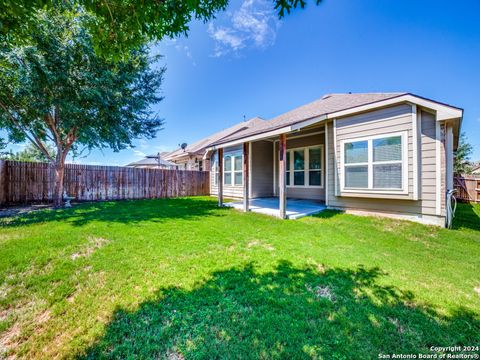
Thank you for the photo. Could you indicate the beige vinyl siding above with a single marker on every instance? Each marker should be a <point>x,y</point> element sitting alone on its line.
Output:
<point>312,137</point>
<point>393,119</point>
<point>233,191</point>
<point>428,173</point>
<point>261,172</point>
<point>380,122</point>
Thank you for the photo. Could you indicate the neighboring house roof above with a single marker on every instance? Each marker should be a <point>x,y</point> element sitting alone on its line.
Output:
<point>476,170</point>
<point>151,160</point>
<point>329,104</point>
<point>198,148</point>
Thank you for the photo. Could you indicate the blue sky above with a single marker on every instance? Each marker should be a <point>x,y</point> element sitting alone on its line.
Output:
<point>247,62</point>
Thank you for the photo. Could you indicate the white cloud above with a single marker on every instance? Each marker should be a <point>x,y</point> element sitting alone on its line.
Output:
<point>254,24</point>
<point>186,50</point>
<point>144,148</point>
<point>139,153</point>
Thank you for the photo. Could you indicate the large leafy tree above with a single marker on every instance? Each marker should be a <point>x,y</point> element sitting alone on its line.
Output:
<point>55,88</point>
<point>462,164</point>
<point>121,25</point>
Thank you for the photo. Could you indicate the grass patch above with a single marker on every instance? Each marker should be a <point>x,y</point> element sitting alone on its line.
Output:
<point>181,278</point>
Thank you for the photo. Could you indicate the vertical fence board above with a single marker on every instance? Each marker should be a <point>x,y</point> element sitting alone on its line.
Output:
<point>468,189</point>
<point>22,182</point>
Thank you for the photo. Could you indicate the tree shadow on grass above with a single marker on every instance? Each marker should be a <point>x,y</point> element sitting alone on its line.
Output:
<point>327,214</point>
<point>467,216</point>
<point>287,313</point>
<point>125,211</point>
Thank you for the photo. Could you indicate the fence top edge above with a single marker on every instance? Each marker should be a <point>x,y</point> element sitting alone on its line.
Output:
<point>98,167</point>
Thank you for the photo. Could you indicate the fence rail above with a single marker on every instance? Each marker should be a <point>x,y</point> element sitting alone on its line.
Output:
<point>22,182</point>
<point>468,189</point>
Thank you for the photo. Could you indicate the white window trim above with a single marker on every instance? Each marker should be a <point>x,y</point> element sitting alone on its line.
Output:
<point>369,163</point>
<point>232,155</point>
<point>214,168</point>
<point>307,167</point>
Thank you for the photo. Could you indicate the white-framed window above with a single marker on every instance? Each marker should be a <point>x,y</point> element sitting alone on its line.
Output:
<point>233,169</point>
<point>213,168</point>
<point>375,164</point>
<point>305,167</point>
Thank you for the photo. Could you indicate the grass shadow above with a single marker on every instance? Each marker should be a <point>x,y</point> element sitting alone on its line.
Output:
<point>290,312</point>
<point>125,211</point>
<point>467,216</point>
<point>326,214</point>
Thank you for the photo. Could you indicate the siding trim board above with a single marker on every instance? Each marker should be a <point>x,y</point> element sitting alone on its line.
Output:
<point>335,155</point>
<point>327,160</point>
<point>250,154</point>
<point>415,151</point>
<point>274,156</point>
<point>419,154</point>
<point>438,167</point>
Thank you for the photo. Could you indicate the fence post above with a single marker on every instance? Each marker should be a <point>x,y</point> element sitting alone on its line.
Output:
<point>3,182</point>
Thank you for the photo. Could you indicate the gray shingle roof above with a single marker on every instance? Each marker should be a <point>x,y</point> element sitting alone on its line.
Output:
<point>201,145</point>
<point>326,104</point>
<point>151,161</point>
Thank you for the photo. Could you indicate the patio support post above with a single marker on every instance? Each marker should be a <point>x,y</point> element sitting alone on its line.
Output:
<point>282,178</point>
<point>220,177</point>
<point>246,171</point>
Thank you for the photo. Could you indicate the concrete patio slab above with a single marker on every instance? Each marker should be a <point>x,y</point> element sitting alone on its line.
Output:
<point>296,208</point>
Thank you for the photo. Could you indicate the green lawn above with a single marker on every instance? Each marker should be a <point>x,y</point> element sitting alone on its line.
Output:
<point>181,278</point>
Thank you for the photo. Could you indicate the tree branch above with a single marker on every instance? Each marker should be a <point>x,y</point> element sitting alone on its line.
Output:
<point>34,139</point>
<point>51,125</point>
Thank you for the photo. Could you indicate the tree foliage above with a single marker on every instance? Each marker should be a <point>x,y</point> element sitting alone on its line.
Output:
<point>57,89</point>
<point>121,25</point>
<point>30,154</point>
<point>462,164</point>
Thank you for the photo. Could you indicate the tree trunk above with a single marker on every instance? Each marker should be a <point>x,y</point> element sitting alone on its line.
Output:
<point>59,174</point>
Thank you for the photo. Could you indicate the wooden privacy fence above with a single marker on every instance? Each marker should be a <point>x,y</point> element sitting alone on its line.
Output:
<point>468,188</point>
<point>22,182</point>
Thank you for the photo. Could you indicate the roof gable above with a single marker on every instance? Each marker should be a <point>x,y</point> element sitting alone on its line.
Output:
<point>201,145</point>
<point>341,105</point>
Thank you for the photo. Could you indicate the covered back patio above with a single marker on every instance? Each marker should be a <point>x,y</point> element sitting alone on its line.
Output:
<point>295,208</point>
<point>281,176</point>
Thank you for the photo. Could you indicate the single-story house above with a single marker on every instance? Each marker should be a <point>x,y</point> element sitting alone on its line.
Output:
<point>476,170</point>
<point>153,162</point>
<point>373,153</point>
<point>192,157</point>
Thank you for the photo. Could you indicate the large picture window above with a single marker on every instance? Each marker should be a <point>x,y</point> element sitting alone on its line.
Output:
<point>305,167</point>
<point>375,163</point>
<point>233,169</point>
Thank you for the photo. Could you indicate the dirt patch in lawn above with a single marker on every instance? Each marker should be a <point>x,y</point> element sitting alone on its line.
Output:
<point>94,243</point>
<point>21,210</point>
<point>257,243</point>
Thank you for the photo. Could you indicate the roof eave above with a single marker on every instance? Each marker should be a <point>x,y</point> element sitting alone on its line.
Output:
<point>443,112</point>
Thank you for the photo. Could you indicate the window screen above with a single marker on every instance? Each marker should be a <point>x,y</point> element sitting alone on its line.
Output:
<point>299,167</point>
<point>228,164</point>
<point>356,176</point>
<point>387,149</point>
<point>387,176</point>
<point>356,152</point>
<point>314,166</point>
